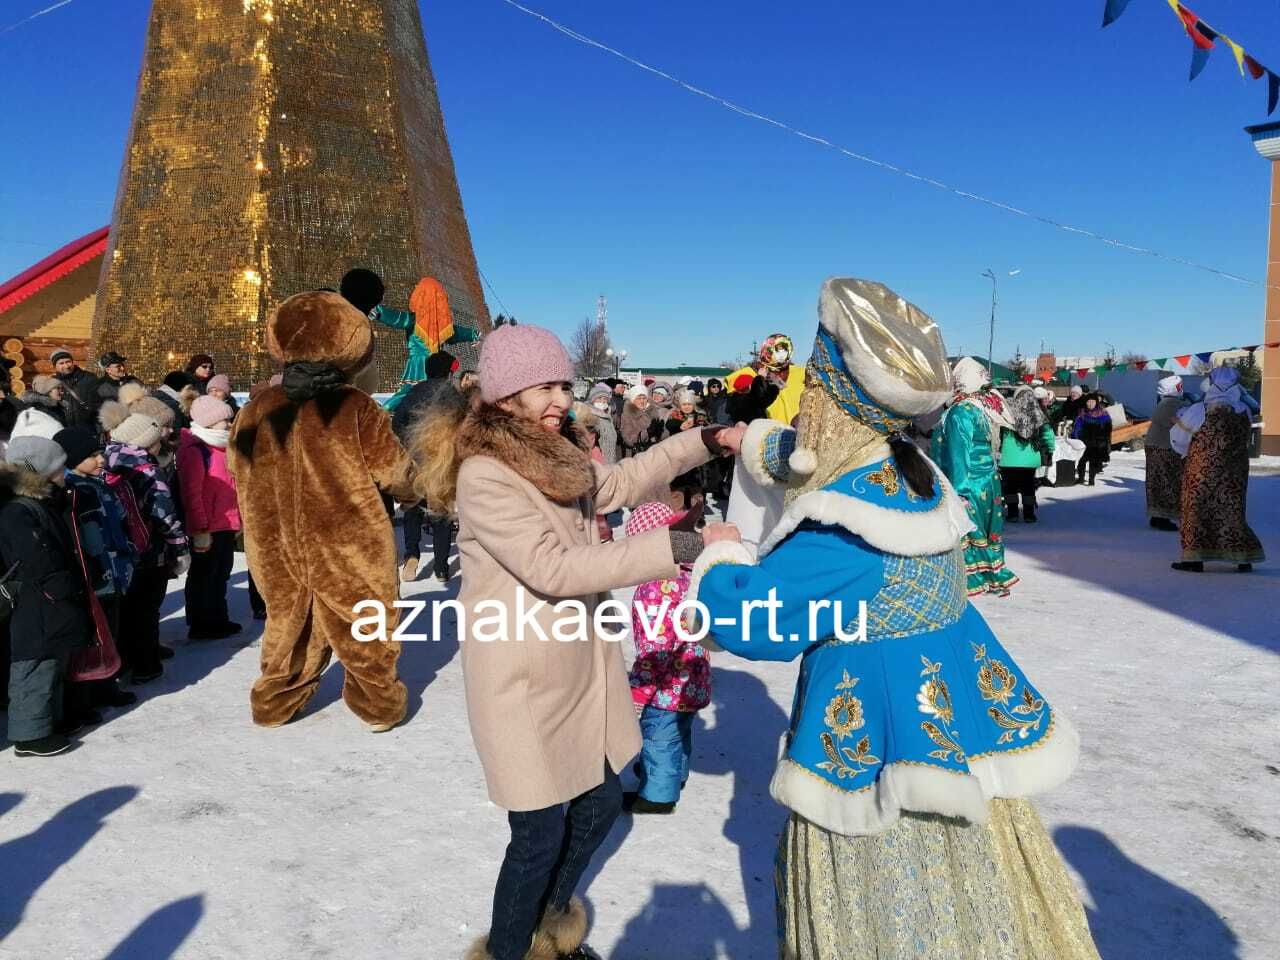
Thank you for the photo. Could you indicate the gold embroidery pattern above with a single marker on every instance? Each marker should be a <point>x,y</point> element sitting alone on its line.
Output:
<point>934,699</point>
<point>844,716</point>
<point>886,478</point>
<point>998,685</point>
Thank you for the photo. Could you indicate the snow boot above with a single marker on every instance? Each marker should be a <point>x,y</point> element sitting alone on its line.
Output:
<point>409,570</point>
<point>1188,566</point>
<point>559,935</point>
<point>634,803</point>
<point>1244,567</point>
<point>166,653</point>
<point>44,747</point>
<point>1160,523</point>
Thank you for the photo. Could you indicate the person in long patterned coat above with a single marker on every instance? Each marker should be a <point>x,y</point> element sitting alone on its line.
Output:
<point>915,738</point>
<point>963,446</point>
<point>1213,437</point>
<point>1164,466</point>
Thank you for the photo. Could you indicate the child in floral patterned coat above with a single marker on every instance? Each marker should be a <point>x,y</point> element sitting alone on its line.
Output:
<point>670,679</point>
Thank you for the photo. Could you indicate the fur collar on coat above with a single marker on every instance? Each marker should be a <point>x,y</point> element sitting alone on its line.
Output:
<point>558,464</point>
<point>16,481</point>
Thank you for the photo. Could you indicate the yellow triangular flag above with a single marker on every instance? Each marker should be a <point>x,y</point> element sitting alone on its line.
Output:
<point>1237,50</point>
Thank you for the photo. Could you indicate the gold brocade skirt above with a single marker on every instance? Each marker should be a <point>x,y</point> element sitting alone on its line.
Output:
<point>930,888</point>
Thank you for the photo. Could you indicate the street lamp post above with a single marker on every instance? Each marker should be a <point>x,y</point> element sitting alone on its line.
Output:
<point>619,357</point>
<point>991,331</point>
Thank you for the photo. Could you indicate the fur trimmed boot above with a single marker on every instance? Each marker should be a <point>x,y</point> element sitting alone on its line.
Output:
<point>560,934</point>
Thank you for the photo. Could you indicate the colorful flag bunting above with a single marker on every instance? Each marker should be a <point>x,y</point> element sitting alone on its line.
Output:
<point>1120,367</point>
<point>1273,92</point>
<point>1161,364</point>
<point>1199,57</point>
<point>1237,51</point>
<point>1183,359</point>
<point>1204,357</point>
<point>1082,372</point>
<point>1256,70</point>
<point>1140,364</point>
<point>1113,10</point>
<point>1191,23</point>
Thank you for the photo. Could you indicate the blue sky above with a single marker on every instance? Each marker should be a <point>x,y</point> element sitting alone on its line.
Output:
<point>582,175</point>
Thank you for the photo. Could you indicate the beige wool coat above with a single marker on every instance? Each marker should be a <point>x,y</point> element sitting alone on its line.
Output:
<point>547,715</point>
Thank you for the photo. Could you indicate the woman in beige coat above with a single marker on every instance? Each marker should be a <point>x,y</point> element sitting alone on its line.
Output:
<point>547,694</point>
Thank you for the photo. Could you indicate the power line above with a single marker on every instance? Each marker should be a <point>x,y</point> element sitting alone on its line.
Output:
<point>882,164</point>
<point>38,13</point>
<point>493,291</point>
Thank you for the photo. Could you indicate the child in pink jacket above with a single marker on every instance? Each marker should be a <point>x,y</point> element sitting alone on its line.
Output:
<point>670,679</point>
<point>211,516</point>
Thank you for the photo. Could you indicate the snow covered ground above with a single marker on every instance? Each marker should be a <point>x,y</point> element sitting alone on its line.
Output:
<point>178,829</point>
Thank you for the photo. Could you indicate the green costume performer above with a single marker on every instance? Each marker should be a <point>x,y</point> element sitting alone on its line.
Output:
<point>415,366</point>
<point>962,448</point>
<point>426,326</point>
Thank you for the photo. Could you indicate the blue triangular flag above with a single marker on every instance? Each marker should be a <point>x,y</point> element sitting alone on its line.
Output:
<point>1199,57</point>
<point>1204,357</point>
<point>1112,13</point>
<point>1273,92</point>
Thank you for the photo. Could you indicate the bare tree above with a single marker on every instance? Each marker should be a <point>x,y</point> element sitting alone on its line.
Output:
<point>1134,357</point>
<point>589,347</point>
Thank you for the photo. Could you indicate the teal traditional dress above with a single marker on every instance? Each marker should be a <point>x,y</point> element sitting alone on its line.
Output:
<point>913,736</point>
<point>415,365</point>
<point>962,448</point>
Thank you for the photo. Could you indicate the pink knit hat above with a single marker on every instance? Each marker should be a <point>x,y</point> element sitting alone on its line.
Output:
<point>650,516</point>
<point>514,358</point>
<point>219,382</point>
<point>209,411</point>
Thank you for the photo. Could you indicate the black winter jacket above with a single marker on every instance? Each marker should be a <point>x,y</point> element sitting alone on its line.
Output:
<point>51,614</point>
<point>80,398</point>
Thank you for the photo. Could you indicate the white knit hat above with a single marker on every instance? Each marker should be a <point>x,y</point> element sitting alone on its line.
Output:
<point>34,423</point>
<point>137,430</point>
<point>639,390</point>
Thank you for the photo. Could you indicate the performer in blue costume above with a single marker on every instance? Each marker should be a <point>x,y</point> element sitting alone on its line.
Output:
<point>365,290</point>
<point>914,735</point>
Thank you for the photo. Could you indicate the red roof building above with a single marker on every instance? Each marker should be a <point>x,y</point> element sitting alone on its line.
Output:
<point>50,304</point>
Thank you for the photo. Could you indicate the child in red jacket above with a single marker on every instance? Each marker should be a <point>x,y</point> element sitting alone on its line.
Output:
<point>212,517</point>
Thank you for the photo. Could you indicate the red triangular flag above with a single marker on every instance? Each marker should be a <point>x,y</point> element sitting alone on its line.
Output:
<point>1256,70</point>
<point>1191,22</point>
<point>1082,372</point>
<point>1183,360</point>
<point>1140,364</point>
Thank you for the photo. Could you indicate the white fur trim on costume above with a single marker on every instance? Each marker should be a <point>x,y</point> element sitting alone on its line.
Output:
<point>923,789</point>
<point>886,387</point>
<point>876,808</point>
<point>899,532</point>
<point>1038,769</point>
<point>722,551</point>
<point>803,461</point>
<point>752,441</point>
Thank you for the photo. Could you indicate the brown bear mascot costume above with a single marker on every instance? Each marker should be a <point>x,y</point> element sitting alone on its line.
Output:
<point>311,457</point>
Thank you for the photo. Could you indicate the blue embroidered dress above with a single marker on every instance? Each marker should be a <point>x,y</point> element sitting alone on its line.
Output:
<point>922,709</point>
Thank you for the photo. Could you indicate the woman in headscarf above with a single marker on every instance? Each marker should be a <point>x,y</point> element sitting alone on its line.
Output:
<point>1213,437</point>
<point>1164,466</point>
<point>909,834</point>
<point>1024,448</point>
<point>963,446</point>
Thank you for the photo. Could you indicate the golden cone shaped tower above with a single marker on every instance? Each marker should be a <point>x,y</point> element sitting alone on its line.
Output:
<point>275,145</point>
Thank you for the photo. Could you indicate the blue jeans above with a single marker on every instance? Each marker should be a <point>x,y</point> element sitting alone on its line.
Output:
<point>664,758</point>
<point>548,853</point>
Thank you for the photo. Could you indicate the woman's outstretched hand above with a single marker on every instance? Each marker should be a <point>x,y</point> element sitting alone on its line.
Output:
<point>731,438</point>
<point>715,532</point>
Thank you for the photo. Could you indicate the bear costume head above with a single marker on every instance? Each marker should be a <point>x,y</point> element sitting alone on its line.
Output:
<point>322,341</point>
